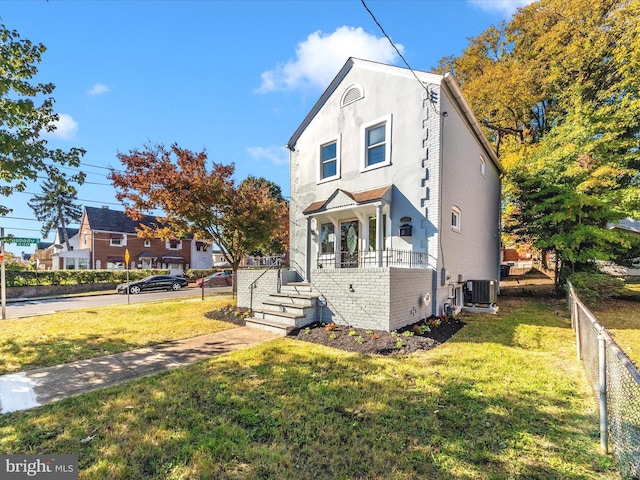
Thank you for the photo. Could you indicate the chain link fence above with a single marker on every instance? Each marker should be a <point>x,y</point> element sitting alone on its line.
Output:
<point>616,385</point>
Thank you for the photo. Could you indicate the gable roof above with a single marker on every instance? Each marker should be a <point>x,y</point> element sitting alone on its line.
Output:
<point>342,198</point>
<point>70,233</point>
<point>446,81</point>
<point>627,224</point>
<point>107,220</point>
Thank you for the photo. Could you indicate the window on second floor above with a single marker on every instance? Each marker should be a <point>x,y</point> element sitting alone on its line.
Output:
<point>173,244</point>
<point>147,243</point>
<point>483,166</point>
<point>329,164</point>
<point>116,240</point>
<point>377,143</point>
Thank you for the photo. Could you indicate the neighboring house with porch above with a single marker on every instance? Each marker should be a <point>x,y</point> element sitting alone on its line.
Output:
<point>72,258</point>
<point>395,207</point>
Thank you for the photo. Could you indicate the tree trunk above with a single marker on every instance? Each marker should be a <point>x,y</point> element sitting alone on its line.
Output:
<point>64,229</point>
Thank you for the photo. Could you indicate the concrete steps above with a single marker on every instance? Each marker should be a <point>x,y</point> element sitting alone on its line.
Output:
<point>293,307</point>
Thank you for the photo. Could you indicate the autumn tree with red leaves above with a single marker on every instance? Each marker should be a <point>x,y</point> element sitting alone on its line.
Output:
<point>206,204</point>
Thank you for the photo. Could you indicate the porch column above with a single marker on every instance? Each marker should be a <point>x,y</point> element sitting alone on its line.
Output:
<point>307,254</point>
<point>379,234</point>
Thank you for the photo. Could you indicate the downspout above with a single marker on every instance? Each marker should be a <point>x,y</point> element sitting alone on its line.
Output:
<point>93,248</point>
<point>434,304</point>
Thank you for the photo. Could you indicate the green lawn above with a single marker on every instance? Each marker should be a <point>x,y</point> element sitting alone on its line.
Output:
<point>47,340</point>
<point>621,318</point>
<point>504,399</point>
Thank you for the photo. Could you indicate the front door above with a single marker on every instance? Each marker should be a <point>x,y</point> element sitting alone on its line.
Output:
<point>349,236</point>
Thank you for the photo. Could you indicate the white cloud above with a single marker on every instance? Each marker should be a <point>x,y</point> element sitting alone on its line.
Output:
<point>66,128</point>
<point>506,7</point>
<point>274,154</point>
<point>99,89</point>
<point>321,55</point>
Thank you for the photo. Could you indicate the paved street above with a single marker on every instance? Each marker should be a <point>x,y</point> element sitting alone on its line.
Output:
<point>45,306</point>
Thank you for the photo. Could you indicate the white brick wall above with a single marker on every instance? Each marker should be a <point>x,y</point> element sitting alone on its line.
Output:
<point>382,298</point>
<point>408,289</point>
<point>265,285</point>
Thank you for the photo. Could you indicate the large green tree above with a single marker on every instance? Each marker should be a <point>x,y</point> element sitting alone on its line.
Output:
<point>26,112</point>
<point>57,207</point>
<point>206,203</point>
<point>558,91</point>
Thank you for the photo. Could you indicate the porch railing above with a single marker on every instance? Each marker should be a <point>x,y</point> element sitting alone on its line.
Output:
<point>374,258</point>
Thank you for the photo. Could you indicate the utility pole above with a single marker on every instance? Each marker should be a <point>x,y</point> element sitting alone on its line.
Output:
<point>3,280</point>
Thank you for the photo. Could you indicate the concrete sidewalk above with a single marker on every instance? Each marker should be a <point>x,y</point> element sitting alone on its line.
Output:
<point>23,390</point>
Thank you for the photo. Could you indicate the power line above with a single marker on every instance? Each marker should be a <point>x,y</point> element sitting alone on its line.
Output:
<point>429,96</point>
<point>22,229</point>
<point>79,199</point>
<point>21,218</point>
<point>88,183</point>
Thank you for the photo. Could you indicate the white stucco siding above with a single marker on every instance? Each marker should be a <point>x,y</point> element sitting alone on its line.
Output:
<point>399,99</point>
<point>472,250</point>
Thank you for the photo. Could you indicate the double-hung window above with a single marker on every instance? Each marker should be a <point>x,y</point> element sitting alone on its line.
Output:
<point>377,143</point>
<point>330,160</point>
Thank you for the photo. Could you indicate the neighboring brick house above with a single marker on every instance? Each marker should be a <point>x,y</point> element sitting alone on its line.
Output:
<point>395,206</point>
<point>105,235</point>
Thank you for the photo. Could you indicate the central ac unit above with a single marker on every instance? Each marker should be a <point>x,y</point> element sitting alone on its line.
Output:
<point>480,292</point>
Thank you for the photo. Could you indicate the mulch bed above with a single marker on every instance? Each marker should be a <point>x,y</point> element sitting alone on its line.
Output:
<point>421,336</point>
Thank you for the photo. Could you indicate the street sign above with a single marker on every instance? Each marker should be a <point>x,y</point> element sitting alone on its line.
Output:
<point>126,256</point>
<point>22,242</point>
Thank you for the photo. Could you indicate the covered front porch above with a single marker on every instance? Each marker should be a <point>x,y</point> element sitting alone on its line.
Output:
<point>354,230</point>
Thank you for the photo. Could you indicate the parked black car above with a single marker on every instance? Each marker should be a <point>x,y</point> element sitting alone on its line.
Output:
<point>154,282</point>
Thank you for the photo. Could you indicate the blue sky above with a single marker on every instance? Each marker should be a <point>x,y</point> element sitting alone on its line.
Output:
<point>233,77</point>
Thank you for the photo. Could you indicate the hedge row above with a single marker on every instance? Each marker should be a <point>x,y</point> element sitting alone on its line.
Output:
<point>25,278</point>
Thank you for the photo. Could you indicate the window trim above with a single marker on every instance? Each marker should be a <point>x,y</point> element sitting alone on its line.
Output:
<point>483,166</point>
<point>321,243</point>
<point>178,244</point>
<point>386,121</point>
<point>457,214</point>
<point>320,162</point>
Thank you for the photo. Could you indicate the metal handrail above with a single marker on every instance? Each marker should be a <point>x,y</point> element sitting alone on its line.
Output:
<point>252,286</point>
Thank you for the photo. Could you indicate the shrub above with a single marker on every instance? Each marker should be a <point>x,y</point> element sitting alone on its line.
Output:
<point>592,287</point>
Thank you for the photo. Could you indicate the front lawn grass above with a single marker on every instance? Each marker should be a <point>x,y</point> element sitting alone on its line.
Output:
<point>504,399</point>
<point>46,340</point>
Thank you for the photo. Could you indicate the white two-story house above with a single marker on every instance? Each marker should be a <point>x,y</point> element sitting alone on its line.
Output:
<point>395,203</point>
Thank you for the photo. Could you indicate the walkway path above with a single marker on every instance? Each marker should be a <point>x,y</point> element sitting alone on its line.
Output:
<point>23,390</point>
